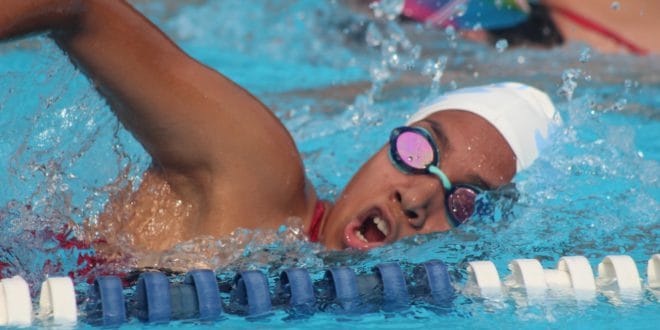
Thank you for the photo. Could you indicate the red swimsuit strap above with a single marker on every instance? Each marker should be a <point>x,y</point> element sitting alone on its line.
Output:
<point>315,225</point>
<point>593,26</point>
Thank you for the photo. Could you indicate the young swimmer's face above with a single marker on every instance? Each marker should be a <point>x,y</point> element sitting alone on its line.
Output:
<point>381,204</point>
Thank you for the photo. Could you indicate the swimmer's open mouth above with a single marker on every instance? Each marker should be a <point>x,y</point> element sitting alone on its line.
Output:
<point>368,231</point>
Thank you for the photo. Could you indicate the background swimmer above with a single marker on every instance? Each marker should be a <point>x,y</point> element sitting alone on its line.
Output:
<point>607,26</point>
<point>222,152</point>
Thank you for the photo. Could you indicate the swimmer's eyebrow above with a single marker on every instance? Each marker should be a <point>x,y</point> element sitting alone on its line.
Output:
<point>439,133</point>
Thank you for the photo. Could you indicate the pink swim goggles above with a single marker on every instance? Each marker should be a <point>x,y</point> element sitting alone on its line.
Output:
<point>413,151</point>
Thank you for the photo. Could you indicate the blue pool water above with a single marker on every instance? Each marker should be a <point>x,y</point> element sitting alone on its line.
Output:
<point>340,82</point>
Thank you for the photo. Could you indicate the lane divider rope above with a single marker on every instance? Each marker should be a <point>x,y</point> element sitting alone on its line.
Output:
<point>387,287</point>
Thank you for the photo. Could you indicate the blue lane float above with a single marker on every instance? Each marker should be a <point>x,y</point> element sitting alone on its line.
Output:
<point>432,280</point>
<point>207,293</point>
<point>153,298</point>
<point>107,304</point>
<point>251,293</point>
<point>184,302</point>
<point>343,290</point>
<point>394,289</point>
<point>296,287</point>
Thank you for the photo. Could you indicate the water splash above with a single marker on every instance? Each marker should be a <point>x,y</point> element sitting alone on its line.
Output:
<point>569,80</point>
<point>242,249</point>
<point>397,54</point>
<point>435,69</point>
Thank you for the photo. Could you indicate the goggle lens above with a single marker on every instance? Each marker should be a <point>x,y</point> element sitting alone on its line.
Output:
<point>414,150</point>
<point>461,203</point>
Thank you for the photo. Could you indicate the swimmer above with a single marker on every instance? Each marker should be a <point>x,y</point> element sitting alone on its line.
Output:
<point>607,26</point>
<point>225,157</point>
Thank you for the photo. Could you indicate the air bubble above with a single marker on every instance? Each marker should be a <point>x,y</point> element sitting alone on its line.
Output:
<point>615,5</point>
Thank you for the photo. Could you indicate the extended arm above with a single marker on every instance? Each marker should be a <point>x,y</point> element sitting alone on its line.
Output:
<point>192,120</point>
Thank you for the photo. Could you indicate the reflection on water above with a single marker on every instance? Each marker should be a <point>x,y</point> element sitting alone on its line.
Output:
<point>340,81</point>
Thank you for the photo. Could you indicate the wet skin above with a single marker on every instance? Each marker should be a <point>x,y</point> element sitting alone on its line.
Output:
<point>209,139</point>
<point>471,151</point>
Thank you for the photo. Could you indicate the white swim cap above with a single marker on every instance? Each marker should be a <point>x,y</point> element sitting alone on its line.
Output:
<point>523,114</point>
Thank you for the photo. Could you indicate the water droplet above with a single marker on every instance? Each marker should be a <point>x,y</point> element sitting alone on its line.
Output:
<point>615,5</point>
<point>521,59</point>
<point>373,36</point>
<point>460,10</point>
<point>390,9</point>
<point>450,31</point>
<point>585,55</point>
<point>628,83</point>
<point>435,69</point>
<point>501,45</point>
<point>620,104</point>
<point>569,78</point>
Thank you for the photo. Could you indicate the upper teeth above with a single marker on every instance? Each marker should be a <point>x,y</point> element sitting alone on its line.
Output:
<point>382,225</point>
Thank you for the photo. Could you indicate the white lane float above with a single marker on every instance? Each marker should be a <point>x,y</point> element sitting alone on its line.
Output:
<point>483,275</point>
<point>15,302</point>
<point>57,301</point>
<point>528,275</point>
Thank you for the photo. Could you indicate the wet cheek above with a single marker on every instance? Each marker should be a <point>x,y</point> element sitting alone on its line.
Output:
<point>438,228</point>
<point>437,222</point>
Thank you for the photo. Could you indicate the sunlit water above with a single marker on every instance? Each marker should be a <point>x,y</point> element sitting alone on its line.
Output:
<point>340,81</point>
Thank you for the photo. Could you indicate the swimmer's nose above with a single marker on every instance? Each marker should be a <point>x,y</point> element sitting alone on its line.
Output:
<point>414,213</point>
<point>416,196</point>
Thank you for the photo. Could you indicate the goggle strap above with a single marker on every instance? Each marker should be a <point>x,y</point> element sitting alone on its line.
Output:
<point>443,177</point>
